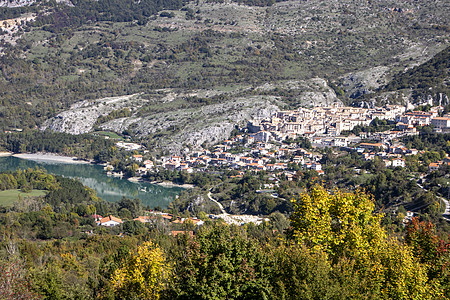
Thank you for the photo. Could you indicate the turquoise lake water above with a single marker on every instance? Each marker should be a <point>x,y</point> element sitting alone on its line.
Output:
<point>108,188</point>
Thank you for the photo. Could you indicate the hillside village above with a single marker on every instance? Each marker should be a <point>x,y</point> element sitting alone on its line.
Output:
<point>289,141</point>
<point>273,144</point>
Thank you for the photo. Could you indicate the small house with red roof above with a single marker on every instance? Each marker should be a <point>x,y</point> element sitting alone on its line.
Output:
<point>110,221</point>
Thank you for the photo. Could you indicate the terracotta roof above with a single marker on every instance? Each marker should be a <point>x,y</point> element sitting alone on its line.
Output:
<point>372,144</point>
<point>110,218</point>
<point>195,221</point>
<point>418,113</point>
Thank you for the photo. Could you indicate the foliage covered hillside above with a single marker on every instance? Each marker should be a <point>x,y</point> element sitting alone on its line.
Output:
<point>108,48</point>
<point>335,248</point>
<point>431,75</point>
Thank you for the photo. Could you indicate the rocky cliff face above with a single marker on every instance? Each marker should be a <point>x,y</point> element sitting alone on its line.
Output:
<point>82,116</point>
<point>194,126</point>
<point>174,119</point>
<point>16,3</point>
<point>363,82</point>
<point>308,93</point>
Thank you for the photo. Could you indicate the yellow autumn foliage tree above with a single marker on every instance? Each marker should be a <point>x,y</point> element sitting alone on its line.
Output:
<point>144,275</point>
<point>338,223</point>
<point>344,227</point>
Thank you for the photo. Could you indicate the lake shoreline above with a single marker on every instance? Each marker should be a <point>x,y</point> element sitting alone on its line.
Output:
<point>50,157</point>
<point>162,183</point>
<point>53,157</point>
<point>171,184</point>
<point>111,189</point>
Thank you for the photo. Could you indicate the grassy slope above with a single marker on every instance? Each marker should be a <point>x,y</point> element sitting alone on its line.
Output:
<point>8,197</point>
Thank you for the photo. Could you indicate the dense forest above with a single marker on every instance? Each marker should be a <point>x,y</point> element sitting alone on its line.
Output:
<point>53,250</point>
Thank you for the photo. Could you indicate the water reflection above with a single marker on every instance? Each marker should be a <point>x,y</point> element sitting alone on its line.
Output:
<point>109,188</point>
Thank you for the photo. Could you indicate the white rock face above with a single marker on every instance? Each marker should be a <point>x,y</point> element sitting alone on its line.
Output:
<point>312,92</point>
<point>174,119</point>
<point>195,126</point>
<point>16,3</point>
<point>318,93</point>
<point>362,82</point>
<point>20,3</point>
<point>81,116</point>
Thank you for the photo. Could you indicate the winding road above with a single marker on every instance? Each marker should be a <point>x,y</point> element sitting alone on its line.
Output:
<point>217,202</point>
<point>235,219</point>
<point>446,214</point>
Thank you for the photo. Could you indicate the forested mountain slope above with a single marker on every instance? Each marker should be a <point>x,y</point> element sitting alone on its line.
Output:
<point>54,54</point>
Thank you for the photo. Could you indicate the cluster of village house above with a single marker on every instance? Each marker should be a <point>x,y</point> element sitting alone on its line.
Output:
<point>261,156</point>
<point>325,122</point>
<point>321,125</point>
<point>111,221</point>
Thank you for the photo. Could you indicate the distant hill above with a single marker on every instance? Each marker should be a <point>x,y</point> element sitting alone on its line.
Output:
<point>416,84</point>
<point>433,74</point>
<point>55,54</point>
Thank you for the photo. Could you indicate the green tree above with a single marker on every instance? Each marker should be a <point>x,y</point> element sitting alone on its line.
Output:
<point>431,251</point>
<point>340,223</point>
<point>222,263</point>
<point>299,273</point>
